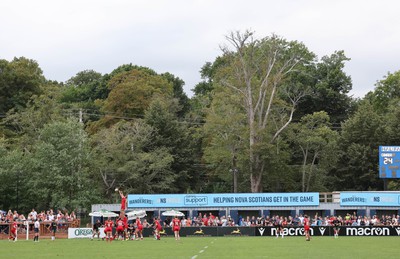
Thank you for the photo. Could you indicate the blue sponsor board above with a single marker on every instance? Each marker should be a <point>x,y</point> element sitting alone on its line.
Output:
<point>370,199</point>
<point>389,162</point>
<point>222,200</point>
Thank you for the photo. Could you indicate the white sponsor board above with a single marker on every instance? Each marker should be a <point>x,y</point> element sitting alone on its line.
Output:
<point>373,231</point>
<point>83,233</point>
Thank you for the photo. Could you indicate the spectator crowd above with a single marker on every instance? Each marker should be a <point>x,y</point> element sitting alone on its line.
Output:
<point>43,216</point>
<point>206,220</point>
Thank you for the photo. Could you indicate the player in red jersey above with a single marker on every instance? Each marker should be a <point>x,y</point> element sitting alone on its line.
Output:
<point>157,228</point>
<point>120,229</point>
<point>306,223</point>
<point>139,229</point>
<point>123,201</point>
<point>176,226</point>
<point>109,224</point>
<point>125,220</point>
<point>13,231</point>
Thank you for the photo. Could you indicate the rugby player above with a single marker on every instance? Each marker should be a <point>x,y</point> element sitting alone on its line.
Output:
<point>176,226</point>
<point>306,223</point>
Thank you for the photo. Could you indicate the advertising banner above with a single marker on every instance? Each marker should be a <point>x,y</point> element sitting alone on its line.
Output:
<point>205,231</point>
<point>294,231</point>
<point>380,199</point>
<point>83,233</point>
<point>328,231</point>
<point>222,200</point>
<point>369,231</point>
<point>255,231</point>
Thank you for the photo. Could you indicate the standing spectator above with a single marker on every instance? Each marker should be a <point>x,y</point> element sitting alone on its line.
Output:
<point>72,216</point>
<point>33,215</point>
<point>15,215</point>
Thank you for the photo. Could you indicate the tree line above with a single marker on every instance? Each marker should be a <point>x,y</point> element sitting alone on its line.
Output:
<point>268,115</point>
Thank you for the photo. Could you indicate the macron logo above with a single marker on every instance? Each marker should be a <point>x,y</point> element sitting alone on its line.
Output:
<point>322,231</point>
<point>261,230</point>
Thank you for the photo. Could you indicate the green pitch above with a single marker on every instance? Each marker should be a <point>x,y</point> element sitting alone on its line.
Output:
<point>207,247</point>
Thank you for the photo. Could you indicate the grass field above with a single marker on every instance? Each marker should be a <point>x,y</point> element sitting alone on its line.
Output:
<point>207,247</point>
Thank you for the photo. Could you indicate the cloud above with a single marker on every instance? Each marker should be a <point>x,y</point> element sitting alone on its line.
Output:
<point>66,37</point>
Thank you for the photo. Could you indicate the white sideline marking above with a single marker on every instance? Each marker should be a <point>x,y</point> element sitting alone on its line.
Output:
<point>202,251</point>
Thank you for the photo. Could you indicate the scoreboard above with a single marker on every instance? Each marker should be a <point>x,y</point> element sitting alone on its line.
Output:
<point>389,161</point>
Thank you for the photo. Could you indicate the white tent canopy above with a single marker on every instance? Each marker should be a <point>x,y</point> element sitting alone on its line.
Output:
<point>103,213</point>
<point>136,214</point>
<point>173,213</point>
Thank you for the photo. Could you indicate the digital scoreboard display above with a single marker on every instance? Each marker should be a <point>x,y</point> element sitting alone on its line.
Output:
<point>389,161</point>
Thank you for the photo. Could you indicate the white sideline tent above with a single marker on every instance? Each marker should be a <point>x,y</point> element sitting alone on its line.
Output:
<point>173,213</point>
<point>103,213</point>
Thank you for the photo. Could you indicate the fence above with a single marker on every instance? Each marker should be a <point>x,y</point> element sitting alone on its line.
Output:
<point>44,230</point>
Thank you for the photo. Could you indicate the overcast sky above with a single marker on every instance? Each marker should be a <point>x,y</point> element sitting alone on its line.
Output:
<point>68,36</point>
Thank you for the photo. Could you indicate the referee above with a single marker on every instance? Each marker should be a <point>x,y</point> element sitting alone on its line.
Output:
<point>36,227</point>
<point>336,226</point>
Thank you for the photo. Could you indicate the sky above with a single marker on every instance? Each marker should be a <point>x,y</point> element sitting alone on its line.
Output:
<point>180,36</point>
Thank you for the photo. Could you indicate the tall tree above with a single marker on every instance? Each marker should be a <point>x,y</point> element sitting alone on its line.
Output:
<point>131,93</point>
<point>126,157</point>
<point>224,142</point>
<point>60,163</point>
<point>255,72</point>
<point>360,138</point>
<point>330,87</point>
<point>83,87</point>
<point>19,80</point>
<point>174,135</point>
<point>178,93</point>
<point>14,174</point>
<point>387,91</point>
<point>318,145</point>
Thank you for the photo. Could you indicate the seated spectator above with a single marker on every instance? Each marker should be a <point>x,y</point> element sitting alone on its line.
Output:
<point>167,221</point>
<point>183,222</point>
<point>217,222</point>
<point>189,222</point>
<point>374,221</point>
<point>204,221</point>
<point>224,221</point>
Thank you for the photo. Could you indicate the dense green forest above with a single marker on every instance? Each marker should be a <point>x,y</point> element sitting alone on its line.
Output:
<point>267,116</point>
